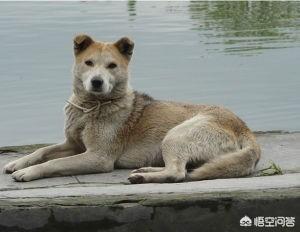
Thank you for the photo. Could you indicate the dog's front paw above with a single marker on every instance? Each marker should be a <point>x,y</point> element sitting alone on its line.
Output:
<point>9,168</point>
<point>27,174</point>
<point>15,166</point>
<point>136,179</point>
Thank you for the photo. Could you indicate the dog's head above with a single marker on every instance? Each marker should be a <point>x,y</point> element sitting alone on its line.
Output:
<point>101,69</point>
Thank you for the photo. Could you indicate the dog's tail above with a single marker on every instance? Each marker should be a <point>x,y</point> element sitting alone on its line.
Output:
<point>236,164</point>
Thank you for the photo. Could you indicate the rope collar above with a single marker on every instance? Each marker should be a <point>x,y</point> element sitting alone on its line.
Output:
<point>88,110</point>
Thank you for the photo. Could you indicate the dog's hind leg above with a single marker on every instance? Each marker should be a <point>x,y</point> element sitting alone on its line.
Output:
<point>175,158</point>
<point>200,139</point>
<point>178,147</point>
<point>171,173</point>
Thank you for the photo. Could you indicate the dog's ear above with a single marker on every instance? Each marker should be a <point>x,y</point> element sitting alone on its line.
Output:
<point>125,47</point>
<point>81,42</point>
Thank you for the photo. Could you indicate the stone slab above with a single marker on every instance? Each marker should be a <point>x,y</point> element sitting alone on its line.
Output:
<point>107,202</point>
<point>219,185</point>
<point>282,148</point>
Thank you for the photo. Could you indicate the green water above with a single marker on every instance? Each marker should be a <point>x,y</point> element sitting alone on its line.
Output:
<point>242,55</point>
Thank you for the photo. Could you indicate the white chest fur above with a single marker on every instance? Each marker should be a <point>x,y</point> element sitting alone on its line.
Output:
<point>94,132</point>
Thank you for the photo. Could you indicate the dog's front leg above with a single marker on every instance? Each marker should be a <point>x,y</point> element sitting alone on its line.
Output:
<point>41,155</point>
<point>85,163</point>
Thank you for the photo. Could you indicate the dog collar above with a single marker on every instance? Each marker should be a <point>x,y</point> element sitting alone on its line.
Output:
<point>88,110</point>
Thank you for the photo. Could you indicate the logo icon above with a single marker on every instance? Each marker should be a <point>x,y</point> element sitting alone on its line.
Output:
<point>245,221</point>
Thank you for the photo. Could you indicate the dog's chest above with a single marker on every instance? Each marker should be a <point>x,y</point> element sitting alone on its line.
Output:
<point>99,131</point>
<point>74,125</point>
<point>92,131</point>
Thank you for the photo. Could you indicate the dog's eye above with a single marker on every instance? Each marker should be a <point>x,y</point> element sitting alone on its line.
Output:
<point>111,65</point>
<point>89,63</point>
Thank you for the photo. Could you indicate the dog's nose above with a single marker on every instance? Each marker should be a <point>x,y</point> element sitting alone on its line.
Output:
<point>97,83</point>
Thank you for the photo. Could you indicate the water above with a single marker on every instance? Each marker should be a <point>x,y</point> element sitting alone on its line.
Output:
<point>242,55</point>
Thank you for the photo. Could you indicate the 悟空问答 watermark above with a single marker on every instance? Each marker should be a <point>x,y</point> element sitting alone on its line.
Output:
<point>262,221</point>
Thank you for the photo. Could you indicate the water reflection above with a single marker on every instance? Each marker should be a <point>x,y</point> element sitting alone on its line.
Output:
<point>247,27</point>
<point>131,7</point>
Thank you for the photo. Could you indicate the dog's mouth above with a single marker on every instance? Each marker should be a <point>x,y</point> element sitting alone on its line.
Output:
<point>101,91</point>
<point>97,92</point>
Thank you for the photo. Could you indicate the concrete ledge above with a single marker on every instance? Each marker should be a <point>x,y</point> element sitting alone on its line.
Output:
<point>219,211</point>
<point>107,202</point>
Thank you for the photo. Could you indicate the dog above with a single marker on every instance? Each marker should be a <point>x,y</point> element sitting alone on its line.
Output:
<point>109,125</point>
